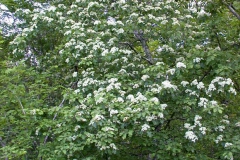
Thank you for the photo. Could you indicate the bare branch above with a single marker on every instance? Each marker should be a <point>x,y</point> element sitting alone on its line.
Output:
<point>232,9</point>
<point>132,48</point>
<point>21,105</point>
<point>139,36</point>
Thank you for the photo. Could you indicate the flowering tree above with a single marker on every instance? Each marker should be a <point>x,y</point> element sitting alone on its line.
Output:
<point>126,79</point>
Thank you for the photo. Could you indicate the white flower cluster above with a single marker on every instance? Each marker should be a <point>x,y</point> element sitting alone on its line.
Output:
<point>112,84</point>
<point>163,106</point>
<point>190,134</point>
<point>76,128</point>
<point>155,88</point>
<point>74,74</point>
<point>237,124</point>
<point>219,138</point>
<point>145,127</point>
<point>165,48</point>
<point>221,82</point>
<point>112,112</point>
<point>98,117</point>
<point>184,83</point>
<point>145,77</point>
<point>203,102</point>
<point>171,71</point>
<point>86,82</point>
<point>203,13</point>
<point>199,85</point>
<point>197,60</point>
<point>112,145</point>
<point>227,144</point>
<point>155,100</point>
<point>139,98</point>
<point>150,118</point>
<point>220,128</point>
<point>180,65</point>
<point>167,85</point>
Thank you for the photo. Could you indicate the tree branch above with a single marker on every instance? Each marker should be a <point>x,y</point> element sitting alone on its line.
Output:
<point>21,105</point>
<point>139,36</point>
<point>232,10</point>
<point>132,48</point>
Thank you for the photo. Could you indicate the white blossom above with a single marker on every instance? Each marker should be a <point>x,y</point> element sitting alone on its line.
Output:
<point>167,84</point>
<point>131,98</point>
<point>181,65</point>
<point>135,85</point>
<point>111,21</point>
<point>219,138</point>
<point>225,121</point>
<point>203,102</point>
<point>220,128</point>
<point>177,11</point>
<point>154,100</point>
<point>120,31</point>
<point>171,71</point>
<point>191,136</point>
<point>203,130</point>
<point>184,83</point>
<point>37,132</point>
<point>203,13</point>
<point>97,22</point>
<point>145,77</point>
<point>194,82</point>
<point>175,21</point>
<point>33,112</point>
<point>140,97</point>
<point>228,145</point>
<point>113,146</point>
<point>145,127</point>
<point>200,85</point>
<point>232,90</point>
<point>76,91</point>
<point>197,119</point>
<point>211,87</point>
<point>160,115</point>
<point>99,100</point>
<point>73,138</point>
<point>150,118</point>
<point>109,87</point>
<point>187,126</point>
<point>237,124</point>
<point>214,103</point>
<point>164,22</point>
<point>106,129</point>
<point>112,112</point>
<point>163,106</point>
<point>120,99</point>
<point>74,74</point>
<point>197,60</point>
<point>76,128</point>
<point>198,46</point>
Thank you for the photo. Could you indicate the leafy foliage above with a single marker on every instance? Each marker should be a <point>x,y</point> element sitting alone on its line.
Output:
<point>123,80</point>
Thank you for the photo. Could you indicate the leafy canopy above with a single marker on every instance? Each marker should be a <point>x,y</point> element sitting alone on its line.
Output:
<point>123,79</point>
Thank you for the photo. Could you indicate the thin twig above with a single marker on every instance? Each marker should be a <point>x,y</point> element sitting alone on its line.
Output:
<point>21,105</point>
